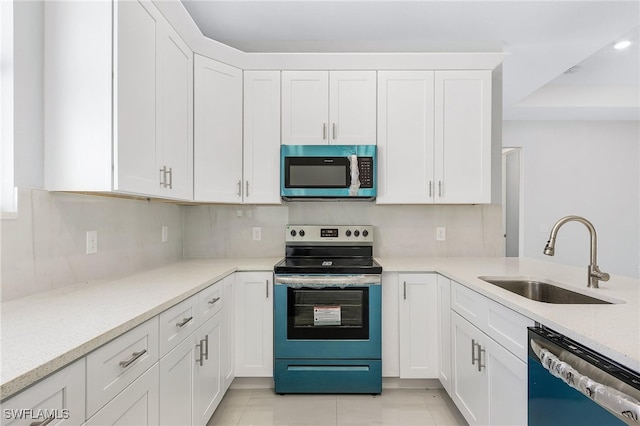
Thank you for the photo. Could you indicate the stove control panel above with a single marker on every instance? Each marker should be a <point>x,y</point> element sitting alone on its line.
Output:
<point>332,233</point>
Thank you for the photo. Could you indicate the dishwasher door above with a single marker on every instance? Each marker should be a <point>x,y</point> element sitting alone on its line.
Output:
<point>570,384</point>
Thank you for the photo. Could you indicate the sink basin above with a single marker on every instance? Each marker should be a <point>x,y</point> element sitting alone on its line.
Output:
<point>542,291</point>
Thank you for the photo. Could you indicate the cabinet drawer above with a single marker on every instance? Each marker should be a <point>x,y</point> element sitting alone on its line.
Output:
<point>114,366</point>
<point>210,301</point>
<point>60,395</point>
<point>178,322</point>
<point>469,304</point>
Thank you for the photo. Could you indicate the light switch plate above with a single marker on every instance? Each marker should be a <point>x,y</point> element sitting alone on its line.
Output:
<point>92,242</point>
<point>165,233</point>
<point>441,233</point>
<point>257,233</point>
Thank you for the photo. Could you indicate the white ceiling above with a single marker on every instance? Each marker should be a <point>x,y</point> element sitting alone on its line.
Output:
<point>543,38</point>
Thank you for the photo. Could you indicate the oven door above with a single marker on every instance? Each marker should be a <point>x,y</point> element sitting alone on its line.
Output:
<point>327,320</point>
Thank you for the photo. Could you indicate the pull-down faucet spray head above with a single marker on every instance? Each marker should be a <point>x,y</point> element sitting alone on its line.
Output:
<point>550,248</point>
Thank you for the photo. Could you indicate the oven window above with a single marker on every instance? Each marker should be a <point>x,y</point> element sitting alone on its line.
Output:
<point>328,313</point>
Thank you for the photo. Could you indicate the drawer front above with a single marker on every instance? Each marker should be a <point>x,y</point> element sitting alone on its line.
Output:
<point>114,366</point>
<point>508,328</point>
<point>469,304</point>
<point>59,396</point>
<point>211,300</point>
<point>177,323</point>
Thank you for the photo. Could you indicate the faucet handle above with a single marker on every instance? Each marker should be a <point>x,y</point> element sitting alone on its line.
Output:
<point>602,276</point>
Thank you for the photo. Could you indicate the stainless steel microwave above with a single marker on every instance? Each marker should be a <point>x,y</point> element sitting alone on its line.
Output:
<point>328,172</point>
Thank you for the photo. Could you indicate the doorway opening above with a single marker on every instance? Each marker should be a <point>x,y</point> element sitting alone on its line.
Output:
<point>512,196</point>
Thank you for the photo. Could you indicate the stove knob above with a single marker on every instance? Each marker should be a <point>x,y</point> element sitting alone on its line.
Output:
<point>293,232</point>
<point>356,233</point>
<point>301,232</point>
<point>365,233</point>
<point>348,233</point>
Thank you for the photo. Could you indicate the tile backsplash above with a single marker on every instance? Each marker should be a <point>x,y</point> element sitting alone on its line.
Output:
<point>44,248</point>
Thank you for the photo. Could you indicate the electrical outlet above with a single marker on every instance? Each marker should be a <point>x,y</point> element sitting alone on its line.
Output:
<point>92,242</point>
<point>257,233</point>
<point>441,233</point>
<point>165,233</point>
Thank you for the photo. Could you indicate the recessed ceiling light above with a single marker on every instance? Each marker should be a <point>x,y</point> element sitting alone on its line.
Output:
<point>622,44</point>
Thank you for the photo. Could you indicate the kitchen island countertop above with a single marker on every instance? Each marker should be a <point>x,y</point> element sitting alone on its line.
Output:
<point>46,331</point>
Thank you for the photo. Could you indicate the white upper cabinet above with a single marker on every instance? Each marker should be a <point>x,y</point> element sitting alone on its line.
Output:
<point>118,110</point>
<point>434,137</point>
<point>261,149</point>
<point>218,132</point>
<point>463,136</point>
<point>329,107</point>
<point>405,136</point>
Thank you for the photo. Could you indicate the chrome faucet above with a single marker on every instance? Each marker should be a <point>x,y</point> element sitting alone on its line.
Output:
<point>594,273</point>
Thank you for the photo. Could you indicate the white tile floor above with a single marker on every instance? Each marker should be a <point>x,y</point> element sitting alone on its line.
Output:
<point>398,407</point>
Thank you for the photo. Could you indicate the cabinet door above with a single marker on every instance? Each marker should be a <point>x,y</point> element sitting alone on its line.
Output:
<point>137,405</point>
<point>405,137</point>
<point>208,376</point>
<point>254,324</point>
<point>469,384</point>
<point>390,325</point>
<point>305,107</point>
<point>177,383</point>
<point>218,132</point>
<point>352,107</point>
<point>135,98</point>
<point>444,332</point>
<point>175,114</point>
<point>463,136</point>
<point>60,396</point>
<point>227,352</point>
<point>261,137</point>
<point>507,386</point>
<point>418,300</point>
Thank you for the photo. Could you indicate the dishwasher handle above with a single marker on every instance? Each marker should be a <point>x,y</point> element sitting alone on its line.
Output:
<point>611,399</point>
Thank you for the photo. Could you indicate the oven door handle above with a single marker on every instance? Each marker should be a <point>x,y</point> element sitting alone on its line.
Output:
<point>328,280</point>
<point>612,399</point>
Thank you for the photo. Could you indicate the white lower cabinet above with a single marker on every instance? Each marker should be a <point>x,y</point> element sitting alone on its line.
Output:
<point>136,405</point>
<point>254,324</point>
<point>390,325</point>
<point>418,311</point>
<point>489,381</point>
<point>227,352</point>
<point>60,396</point>
<point>444,332</point>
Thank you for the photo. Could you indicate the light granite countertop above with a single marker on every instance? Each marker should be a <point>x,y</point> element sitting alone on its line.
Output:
<point>44,332</point>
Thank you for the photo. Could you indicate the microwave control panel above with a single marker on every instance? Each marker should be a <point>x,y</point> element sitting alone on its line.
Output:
<point>365,167</point>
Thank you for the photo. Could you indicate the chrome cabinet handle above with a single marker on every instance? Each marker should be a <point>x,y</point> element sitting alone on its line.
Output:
<point>480,364</point>
<point>239,188</point>
<point>163,177</point>
<point>206,346</point>
<point>404,290</point>
<point>200,347</point>
<point>134,357</point>
<point>246,192</point>
<point>214,300</point>
<point>430,189</point>
<point>473,352</point>
<point>45,422</point>
<point>439,188</point>
<point>324,131</point>
<point>170,177</point>
<point>267,287</point>
<point>334,131</point>
<point>183,322</point>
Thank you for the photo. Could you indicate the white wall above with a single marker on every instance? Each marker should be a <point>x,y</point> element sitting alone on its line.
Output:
<point>584,168</point>
<point>44,248</point>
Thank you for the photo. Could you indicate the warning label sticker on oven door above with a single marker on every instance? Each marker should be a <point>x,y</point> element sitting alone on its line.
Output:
<point>326,315</point>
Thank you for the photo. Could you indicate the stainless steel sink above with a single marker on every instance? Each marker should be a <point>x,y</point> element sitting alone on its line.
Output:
<point>542,291</point>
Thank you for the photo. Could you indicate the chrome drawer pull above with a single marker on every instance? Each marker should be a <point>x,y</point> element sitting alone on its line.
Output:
<point>480,364</point>
<point>214,300</point>
<point>201,360</point>
<point>134,357</point>
<point>473,352</point>
<point>183,322</point>
<point>44,422</point>
<point>206,346</point>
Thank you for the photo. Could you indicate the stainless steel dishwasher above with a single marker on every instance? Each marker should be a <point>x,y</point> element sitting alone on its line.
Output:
<point>570,384</point>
